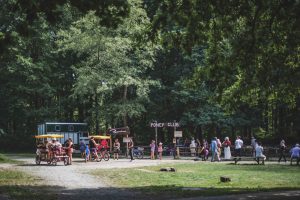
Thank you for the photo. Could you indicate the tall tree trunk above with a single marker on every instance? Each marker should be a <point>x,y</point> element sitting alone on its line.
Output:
<point>199,132</point>
<point>266,119</point>
<point>97,112</point>
<point>124,101</point>
<point>281,122</point>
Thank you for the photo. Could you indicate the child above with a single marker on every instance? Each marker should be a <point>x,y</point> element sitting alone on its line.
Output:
<point>160,150</point>
<point>87,153</point>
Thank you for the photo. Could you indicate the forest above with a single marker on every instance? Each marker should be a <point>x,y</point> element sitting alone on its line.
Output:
<point>219,68</point>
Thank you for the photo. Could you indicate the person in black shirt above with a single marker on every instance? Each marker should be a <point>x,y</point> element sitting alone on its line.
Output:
<point>130,147</point>
<point>93,148</point>
<point>282,149</point>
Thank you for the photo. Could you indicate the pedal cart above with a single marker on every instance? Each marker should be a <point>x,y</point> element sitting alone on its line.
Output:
<point>103,148</point>
<point>49,150</point>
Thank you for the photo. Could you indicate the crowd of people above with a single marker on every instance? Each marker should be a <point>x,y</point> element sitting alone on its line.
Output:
<point>197,148</point>
<point>215,148</point>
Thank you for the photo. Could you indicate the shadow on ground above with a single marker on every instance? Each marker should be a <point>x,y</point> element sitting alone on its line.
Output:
<point>153,192</point>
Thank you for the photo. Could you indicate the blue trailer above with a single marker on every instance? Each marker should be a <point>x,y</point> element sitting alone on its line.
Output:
<point>75,131</point>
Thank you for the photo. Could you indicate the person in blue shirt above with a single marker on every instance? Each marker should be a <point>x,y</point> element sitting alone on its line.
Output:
<point>214,149</point>
<point>82,148</point>
<point>295,153</point>
<point>87,153</point>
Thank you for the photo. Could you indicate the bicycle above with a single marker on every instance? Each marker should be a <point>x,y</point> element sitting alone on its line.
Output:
<point>93,155</point>
<point>104,154</point>
<point>138,152</point>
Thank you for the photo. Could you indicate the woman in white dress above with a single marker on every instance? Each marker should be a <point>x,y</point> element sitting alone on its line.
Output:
<point>226,144</point>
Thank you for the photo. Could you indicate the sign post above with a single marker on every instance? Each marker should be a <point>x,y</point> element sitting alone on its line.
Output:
<point>174,124</point>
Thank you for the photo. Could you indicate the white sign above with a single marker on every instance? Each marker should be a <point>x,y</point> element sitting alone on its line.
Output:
<point>126,139</point>
<point>177,133</point>
<point>165,124</point>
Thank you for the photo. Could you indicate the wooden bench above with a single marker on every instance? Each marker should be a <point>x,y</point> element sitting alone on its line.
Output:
<point>258,159</point>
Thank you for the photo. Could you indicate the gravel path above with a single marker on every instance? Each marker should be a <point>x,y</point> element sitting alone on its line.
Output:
<point>76,176</point>
<point>73,182</point>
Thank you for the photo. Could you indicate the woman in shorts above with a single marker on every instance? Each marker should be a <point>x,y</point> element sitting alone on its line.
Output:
<point>116,149</point>
<point>69,149</point>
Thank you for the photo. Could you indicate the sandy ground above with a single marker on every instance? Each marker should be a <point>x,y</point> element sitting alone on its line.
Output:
<point>74,182</point>
<point>76,176</point>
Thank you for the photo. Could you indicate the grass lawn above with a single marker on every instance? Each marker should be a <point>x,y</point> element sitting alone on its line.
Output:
<point>18,185</point>
<point>201,178</point>
<point>4,159</point>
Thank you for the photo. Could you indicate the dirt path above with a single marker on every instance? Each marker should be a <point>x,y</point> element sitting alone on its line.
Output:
<point>73,182</point>
<point>76,176</point>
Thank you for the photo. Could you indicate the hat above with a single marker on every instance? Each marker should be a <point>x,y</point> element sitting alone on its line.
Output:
<point>160,143</point>
<point>297,145</point>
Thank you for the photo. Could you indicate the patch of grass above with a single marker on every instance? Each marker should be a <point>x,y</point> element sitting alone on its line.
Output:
<point>204,178</point>
<point>18,185</point>
<point>5,159</point>
<point>21,192</point>
<point>25,155</point>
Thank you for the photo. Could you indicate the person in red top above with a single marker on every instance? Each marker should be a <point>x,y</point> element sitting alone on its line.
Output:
<point>103,146</point>
<point>226,144</point>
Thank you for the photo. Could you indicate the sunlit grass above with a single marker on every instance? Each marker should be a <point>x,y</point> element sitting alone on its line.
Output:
<point>19,185</point>
<point>5,159</point>
<point>204,178</point>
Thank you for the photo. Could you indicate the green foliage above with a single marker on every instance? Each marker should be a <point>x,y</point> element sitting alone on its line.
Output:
<point>248,47</point>
<point>228,67</point>
<point>113,65</point>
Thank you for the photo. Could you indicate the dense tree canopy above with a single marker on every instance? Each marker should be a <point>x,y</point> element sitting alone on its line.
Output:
<point>218,67</point>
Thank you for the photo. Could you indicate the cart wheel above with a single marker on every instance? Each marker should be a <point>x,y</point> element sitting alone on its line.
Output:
<point>140,155</point>
<point>54,161</point>
<point>99,157</point>
<point>38,160</point>
<point>66,161</point>
<point>106,156</point>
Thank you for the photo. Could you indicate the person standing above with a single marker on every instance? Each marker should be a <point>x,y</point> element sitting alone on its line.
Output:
<point>219,144</point>
<point>116,149</point>
<point>206,149</point>
<point>130,147</point>
<point>69,148</point>
<point>82,148</point>
<point>87,153</point>
<point>214,149</point>
<point>238,146</point>
<point>282,148</point>
<point>226,144</point>
<point>253,145</point>
<point>160,150</point>
<point>152,150</point>
<point>193,147</point>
